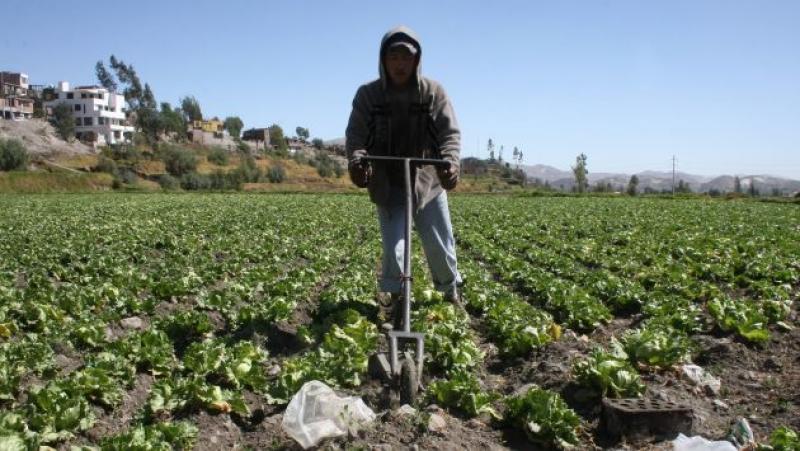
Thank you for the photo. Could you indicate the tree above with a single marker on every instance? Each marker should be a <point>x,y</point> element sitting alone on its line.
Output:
<point>148,99</point>
<point>63,121</point>
<point>490,149</point>
<point>13,155</point>
<point>191,109</point>
<point>580,172</point>
<point>517,156</point>
<point>148,118</point>
<point>302,133</point>
<point>500,155</point>
<point>752,190</point>
<point>633,183</point>
<point>172,121</point>
<point>683,187</point>
<point>104,76</point>
<point>134,92</point>
<point>276,137</point>
<point>318,143</point>
<point>737,185</point>
<point>234,125</point>
<point>149,122</point>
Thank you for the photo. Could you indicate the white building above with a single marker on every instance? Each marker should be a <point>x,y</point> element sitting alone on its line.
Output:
<point>99,114</point>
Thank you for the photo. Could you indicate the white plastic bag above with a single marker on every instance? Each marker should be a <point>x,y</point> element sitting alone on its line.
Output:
<point>316,412</point>
<point>697,443</point>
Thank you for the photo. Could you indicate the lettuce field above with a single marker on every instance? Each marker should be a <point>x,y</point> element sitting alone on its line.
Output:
<point>133,321</point>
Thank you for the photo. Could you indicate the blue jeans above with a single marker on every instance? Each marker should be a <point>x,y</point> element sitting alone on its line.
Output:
<point>436,233</point>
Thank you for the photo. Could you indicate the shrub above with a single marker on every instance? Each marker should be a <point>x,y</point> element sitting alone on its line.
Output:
<point>106,165</point>
<point>327,166</point>
<point>301,158</point>
<point>276,174</point>
<point>338,170</point>
<point>242,146</point>
<point>122,152</point>
<point>193,181</point>
<point>124,176</point>
<point>325,170</point>
<point>218,156</point>
<point>247,172</point>
<point>13,155</point>
<point>179,162</point>
<point>168,182</point>
<point>222,181</point>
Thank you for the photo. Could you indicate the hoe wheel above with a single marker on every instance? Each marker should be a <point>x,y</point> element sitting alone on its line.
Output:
<point>409,382</point>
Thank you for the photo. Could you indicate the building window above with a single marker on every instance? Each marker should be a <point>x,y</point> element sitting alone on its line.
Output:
<point>83,95</point>
<point>77,107</point>
<point>70,95</point>
<point>87,121</point>
<point>77,122</point>
<point>116,134</point>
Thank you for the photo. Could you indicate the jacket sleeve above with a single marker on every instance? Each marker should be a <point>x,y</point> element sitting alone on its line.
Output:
<point>448,136</point>
<point>357,133</point>
<point>356,138</point>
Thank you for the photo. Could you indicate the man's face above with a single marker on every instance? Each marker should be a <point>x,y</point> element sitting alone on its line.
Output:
<point>400,64</point>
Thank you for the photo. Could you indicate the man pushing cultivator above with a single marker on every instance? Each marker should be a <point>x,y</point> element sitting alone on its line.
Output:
<point>403,114</point>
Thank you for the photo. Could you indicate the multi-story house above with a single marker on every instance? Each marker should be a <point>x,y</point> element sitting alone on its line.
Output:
<point>211,126</point>
<point>99,114</point>
<point>14,101</point>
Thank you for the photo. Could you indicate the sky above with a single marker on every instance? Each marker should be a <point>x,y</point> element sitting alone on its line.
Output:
<point>628,83</point>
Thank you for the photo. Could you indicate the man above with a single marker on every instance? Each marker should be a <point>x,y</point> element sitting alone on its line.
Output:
<point>406,115</point>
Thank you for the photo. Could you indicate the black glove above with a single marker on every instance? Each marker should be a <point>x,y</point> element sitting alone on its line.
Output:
<point>448,177</point>
<point>360,171</point>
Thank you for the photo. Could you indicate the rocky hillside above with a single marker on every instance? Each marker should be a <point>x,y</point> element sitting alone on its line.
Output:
<point>40,138</point>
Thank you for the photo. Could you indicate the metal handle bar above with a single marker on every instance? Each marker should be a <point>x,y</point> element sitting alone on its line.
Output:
<point>414,161</point>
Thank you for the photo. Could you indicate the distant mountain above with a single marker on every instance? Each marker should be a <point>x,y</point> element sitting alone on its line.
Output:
<point>334,142</point>
<point>545,173</point>
<point>764,184</point>
<point>661,180</point>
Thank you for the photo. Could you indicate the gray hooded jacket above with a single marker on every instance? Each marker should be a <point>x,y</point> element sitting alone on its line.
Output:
<point>423,126</point>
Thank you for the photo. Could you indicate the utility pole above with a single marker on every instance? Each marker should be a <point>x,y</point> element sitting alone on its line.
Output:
<point>674,160</point>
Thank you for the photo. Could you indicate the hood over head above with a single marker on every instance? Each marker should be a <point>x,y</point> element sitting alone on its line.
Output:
<point>391,36</point>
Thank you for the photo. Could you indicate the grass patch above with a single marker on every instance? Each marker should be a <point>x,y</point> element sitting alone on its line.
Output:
<point>53,182</point>
<point>81,161</point>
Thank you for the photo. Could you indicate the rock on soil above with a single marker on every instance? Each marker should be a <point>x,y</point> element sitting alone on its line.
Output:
<point>436,423</point>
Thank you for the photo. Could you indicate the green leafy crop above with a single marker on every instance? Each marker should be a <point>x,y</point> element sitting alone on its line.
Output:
<point>544,416</point>
<point>782,439</point>
<point>657,345</point>
<point>609,373</point>
<point>461,389</point>
<point>743,317</point>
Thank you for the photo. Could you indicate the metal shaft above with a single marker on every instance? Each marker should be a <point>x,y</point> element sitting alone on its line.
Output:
<point>407,250</point>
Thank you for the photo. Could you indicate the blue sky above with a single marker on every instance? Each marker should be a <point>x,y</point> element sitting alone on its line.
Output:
<point>629,83</point>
